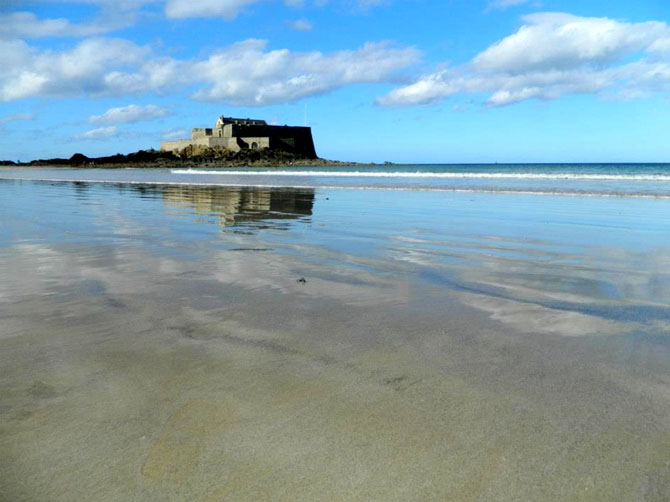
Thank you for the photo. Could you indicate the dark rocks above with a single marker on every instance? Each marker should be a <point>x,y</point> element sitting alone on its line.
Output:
<point>190,157</point>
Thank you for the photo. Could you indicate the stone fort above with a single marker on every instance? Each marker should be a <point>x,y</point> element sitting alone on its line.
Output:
<point>247,134</point>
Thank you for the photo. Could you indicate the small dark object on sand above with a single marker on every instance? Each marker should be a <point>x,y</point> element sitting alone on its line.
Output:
<point>302,280</point>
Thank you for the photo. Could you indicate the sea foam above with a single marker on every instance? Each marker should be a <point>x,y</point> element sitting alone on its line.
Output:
<point>424,174</point>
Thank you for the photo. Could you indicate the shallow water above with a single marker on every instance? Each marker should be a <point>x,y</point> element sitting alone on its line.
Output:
<point>603,180</point>
<point>156,343</point>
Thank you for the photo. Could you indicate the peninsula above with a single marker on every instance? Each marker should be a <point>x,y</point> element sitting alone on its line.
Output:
<point>232,142</point>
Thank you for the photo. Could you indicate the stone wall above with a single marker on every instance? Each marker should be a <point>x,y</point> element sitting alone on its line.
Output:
<point>171,146</point>
<point>254,143</point>
<point>200,132</point>
<point>208,141</point>
<point>251,135</point>
<point>227,131</point>
<point>292,139</point>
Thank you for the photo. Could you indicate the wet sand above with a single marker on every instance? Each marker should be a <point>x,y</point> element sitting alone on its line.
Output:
<point>156,345</point>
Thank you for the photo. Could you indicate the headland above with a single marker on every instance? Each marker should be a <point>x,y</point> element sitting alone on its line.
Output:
<point>231,142</point>
<point>193,156</point>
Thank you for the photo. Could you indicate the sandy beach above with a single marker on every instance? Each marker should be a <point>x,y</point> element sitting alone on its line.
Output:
<point>334,251</point>
<point>157,344</point>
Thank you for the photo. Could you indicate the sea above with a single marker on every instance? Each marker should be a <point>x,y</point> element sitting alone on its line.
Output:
<point>631,180</point>
<point>490,332</point>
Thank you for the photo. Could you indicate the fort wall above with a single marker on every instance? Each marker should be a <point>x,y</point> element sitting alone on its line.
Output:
<point>240,134</point>
<point>254,143</point>
<point>178,144</point>
<point>200,132</point>
<point>207,141</point>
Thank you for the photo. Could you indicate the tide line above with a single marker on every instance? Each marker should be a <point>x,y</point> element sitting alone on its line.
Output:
<point>423,174</point>
<point>502,191</point>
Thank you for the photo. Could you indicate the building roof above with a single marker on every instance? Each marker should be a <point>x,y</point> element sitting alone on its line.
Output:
<point>231,120</point>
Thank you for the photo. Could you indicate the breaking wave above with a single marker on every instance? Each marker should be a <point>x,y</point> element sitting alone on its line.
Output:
<point>435,175</point>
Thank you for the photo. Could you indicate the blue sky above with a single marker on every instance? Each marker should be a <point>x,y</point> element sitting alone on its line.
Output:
<point>397,80</point>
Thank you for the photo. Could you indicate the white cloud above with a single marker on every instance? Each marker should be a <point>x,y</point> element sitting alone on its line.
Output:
<point>556,41</point>
<point>99,133</point>
<point>117,14</point>
<point>427,89</point>
<point>301,25</point>
<point>245,73</point>
<point>80,70</point>
<point>229,9</point>
<point>554,55</point>
<point>130,113</point>
<point>28,25</point>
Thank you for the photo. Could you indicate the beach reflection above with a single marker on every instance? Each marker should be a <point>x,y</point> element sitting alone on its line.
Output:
<point>234,206</point>
<point>157,342</point>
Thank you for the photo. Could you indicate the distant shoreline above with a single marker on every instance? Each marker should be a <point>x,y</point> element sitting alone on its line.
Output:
<point>208,157</point>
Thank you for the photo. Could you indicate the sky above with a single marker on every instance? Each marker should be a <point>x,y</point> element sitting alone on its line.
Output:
<point>417,81</point>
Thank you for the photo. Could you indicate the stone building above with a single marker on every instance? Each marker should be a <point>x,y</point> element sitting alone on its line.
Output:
<point>242,134</point>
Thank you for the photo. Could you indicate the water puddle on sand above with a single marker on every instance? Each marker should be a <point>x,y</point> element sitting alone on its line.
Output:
<point>157,343</point>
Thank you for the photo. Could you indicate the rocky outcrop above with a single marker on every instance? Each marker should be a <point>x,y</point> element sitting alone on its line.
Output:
<point>194,155</point>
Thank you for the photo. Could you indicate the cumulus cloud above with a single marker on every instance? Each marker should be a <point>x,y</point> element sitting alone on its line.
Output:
<point>99,133</point>
<point>560,41</point>
<point>553,55</point>
<point>130,113</point>
<point>245,73</point>
<point>80,70</point>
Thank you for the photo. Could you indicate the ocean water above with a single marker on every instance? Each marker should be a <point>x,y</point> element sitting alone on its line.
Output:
<point>462,333</point>
<point>633,180</point>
